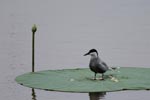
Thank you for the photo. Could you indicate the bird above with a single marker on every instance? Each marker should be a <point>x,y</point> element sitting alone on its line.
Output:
<point>96,64</point>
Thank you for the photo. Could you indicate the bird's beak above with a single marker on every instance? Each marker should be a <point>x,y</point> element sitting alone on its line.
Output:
<point>86,54</point>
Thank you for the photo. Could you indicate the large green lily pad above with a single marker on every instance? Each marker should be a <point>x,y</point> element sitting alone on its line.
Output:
<point>80,80</point>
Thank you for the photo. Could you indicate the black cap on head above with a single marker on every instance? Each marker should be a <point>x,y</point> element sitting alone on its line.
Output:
<point>92,50</point>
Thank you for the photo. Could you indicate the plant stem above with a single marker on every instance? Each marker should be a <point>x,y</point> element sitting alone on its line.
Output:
<point>33,51</point>
<point>34,29</point>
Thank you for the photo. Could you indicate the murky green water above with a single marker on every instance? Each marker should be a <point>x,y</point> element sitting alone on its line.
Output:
<point>66,30</point>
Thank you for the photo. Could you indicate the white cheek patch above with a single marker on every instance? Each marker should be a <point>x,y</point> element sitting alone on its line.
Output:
<point>93,54</point>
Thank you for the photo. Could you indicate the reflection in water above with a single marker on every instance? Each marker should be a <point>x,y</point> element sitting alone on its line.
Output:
<point>92,95</point>
<point>97,95</point>
<point>33,94</point>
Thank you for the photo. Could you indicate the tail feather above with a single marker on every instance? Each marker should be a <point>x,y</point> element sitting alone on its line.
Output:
<point>112,68</point>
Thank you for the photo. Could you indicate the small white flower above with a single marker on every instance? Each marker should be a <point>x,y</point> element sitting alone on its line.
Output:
<point>113,79</point>
<point>71,80</point>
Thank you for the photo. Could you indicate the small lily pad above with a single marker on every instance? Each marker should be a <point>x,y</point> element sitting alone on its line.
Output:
<point>81,80</point>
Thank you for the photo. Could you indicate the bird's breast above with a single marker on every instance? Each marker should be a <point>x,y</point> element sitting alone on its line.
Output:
<point>96,66</point>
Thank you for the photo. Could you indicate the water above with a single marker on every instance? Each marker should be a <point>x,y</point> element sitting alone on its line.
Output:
<point>118,29</point>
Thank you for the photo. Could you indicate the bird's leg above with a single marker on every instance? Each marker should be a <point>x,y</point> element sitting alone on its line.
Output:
<point>102,76</point>
<point>95,77</point>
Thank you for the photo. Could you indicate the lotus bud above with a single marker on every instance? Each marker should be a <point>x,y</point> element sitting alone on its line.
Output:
<point>34,28</point>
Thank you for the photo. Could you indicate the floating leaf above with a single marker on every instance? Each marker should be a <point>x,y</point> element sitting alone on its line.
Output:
<point>81,80</point>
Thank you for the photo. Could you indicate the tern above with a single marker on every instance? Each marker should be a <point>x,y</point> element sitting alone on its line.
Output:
<point>96,64</point>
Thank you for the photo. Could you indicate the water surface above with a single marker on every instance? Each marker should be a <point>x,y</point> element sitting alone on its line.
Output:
<point>67,29</point>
